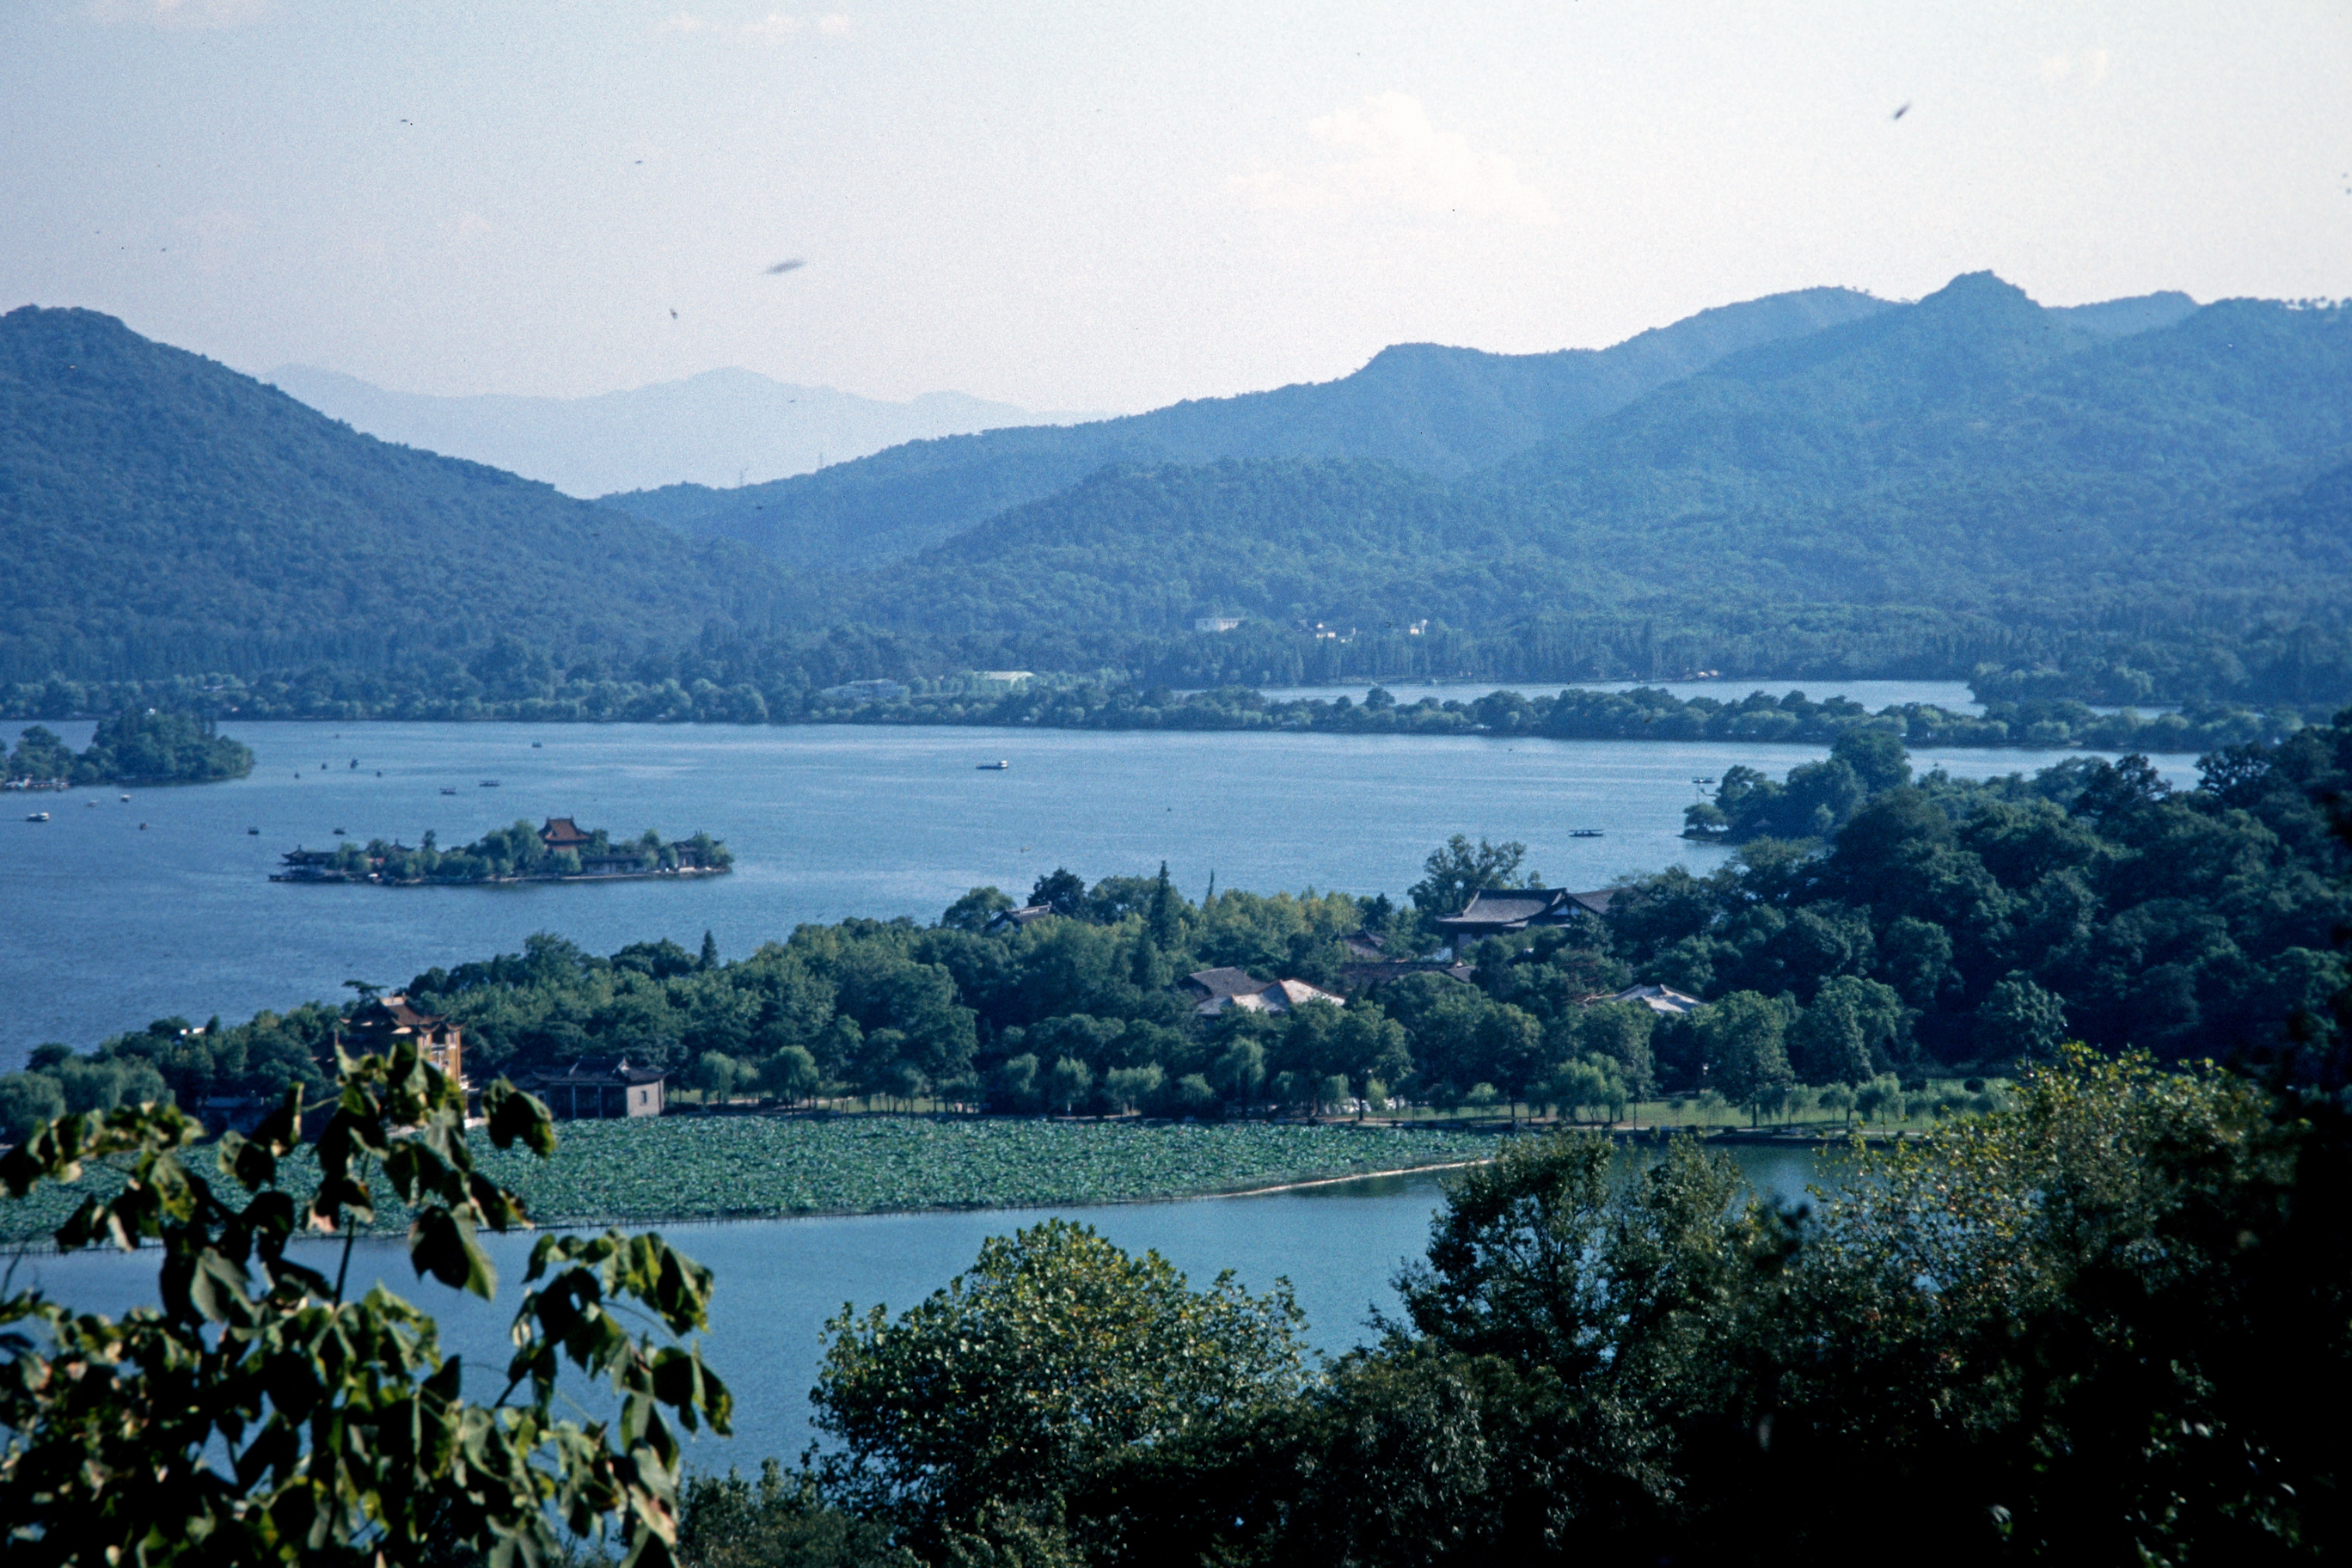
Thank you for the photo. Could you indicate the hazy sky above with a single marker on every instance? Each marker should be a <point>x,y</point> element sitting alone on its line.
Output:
<point>1114,205</point>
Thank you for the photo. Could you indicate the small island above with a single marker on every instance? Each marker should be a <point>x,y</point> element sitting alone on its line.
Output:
<point>560,851</point>
<point>140,747</point>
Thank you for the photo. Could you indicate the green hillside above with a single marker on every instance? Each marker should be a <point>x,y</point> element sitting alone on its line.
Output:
<point>2121,503</point>
<point>1972,450</point>
<point>1969,478</point>
<point>1443,412</point>
<point>165,515</point>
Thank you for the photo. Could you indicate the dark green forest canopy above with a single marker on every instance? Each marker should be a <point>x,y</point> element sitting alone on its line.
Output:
<point>2048,1333</point>
<point>142,746</point>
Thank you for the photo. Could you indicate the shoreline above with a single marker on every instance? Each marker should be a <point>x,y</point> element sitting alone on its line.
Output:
<point>41,1245</point>
<point>374,881</point>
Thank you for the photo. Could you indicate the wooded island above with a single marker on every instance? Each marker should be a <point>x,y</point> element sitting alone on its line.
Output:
<point>560,851</point>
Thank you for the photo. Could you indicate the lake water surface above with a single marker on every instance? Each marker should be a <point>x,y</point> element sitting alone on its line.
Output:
<point>780,1281</point>
<point>110,923</point>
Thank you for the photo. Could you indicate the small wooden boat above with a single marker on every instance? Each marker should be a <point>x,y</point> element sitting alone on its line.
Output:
<point>534,745</point>
<point>995,767</point>
<point>253,833</point>
<point>339,833</point>
<point>1585,833</point>
<point>449,791</point>
<point>489,783</point>
<point>38,816</point>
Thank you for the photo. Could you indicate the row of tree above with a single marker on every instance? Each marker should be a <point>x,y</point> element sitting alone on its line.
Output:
<point>1114,702</point>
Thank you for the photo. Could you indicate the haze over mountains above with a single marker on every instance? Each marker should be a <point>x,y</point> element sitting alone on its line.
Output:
<point>711,429</point>
<point>1818,481</point>
<point>164,514</point>
<point>1443,412</point>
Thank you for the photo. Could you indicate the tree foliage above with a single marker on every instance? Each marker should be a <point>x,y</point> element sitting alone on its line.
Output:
<point>1054,1351</point>
<point>254,1414</point>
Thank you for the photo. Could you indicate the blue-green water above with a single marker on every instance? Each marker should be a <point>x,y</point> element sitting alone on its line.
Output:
<point>780,1281</point>
<point>110,924</point>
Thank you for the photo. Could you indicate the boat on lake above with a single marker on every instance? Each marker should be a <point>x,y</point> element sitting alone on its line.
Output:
<point>253,833</point>
<point>452,790</point>
<point>489,783</point>
<point>995,767</point>
<point>1585,833</point>
<point>38,816</point>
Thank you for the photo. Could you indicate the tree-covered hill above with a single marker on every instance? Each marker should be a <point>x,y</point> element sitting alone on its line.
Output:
<point>1971,450</point>
<point>2140,501</point>
<point>1429,409</point>
<point>1965,475</point>
<point>164,514</point>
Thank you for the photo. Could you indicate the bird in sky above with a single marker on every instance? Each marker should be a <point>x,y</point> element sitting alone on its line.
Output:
<point>1901,112</point>
<point>794,264</point>
<point>673,315</point>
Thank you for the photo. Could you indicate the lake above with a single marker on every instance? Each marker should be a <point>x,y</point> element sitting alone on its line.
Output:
<point>780,1281</point>
<point>112,923</point>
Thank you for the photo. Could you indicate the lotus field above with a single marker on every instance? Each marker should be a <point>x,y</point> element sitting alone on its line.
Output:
<point>695,1168</point>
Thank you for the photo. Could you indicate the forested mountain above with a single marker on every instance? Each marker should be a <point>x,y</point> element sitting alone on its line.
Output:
<point>2120,502</point>
<point>1940,474</point>
<point>1436,411</point>
<point>1971,450</point>
<point>705,430</point>
<point>164,514</point>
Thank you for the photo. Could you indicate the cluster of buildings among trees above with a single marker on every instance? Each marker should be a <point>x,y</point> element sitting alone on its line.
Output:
<point>560,850</point>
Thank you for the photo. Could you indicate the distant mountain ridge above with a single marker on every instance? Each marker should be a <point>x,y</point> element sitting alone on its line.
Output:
<point>709,428</point>
<point>161,514</point>
<point>1972,458</point>
<point>1443,412</point>
<point>2139,492</point>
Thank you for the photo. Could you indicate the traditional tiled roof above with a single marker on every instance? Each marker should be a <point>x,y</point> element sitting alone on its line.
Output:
<point>1664,1000</point>
<point>394,1013</point>
<point>1215,982</point>
<point>1515,909</point>
<point>1016,918</point>
<point>562,833</point>
<point>1363,944</point>
<point>1297,992</point>
<point>1279,996</point>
